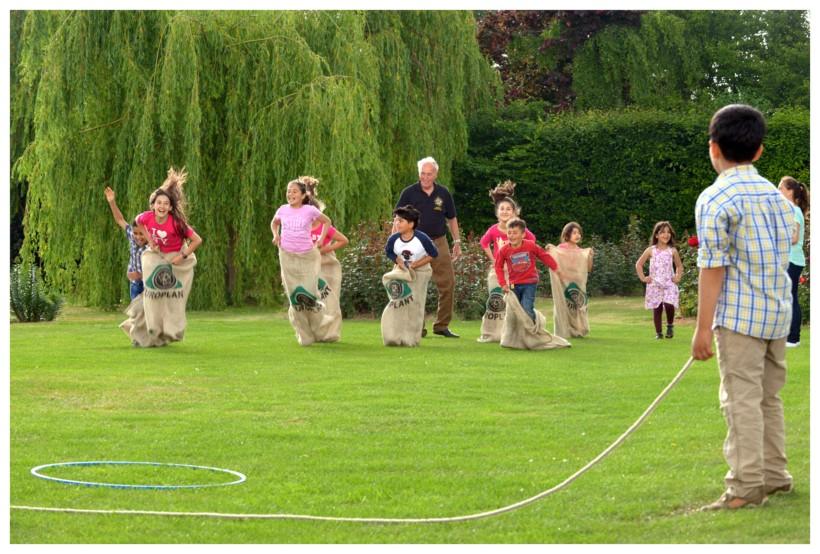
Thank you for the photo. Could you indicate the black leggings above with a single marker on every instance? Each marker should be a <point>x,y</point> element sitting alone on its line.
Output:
<point>797,314</point>
<point>658,312</point>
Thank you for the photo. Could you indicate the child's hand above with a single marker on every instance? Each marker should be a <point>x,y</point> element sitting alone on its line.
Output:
<point>178,258</point>
<point>676,279</point>
<point>109,194</point>
<point>646,279</point>
<point>506,289</point>
<point>276,240</point>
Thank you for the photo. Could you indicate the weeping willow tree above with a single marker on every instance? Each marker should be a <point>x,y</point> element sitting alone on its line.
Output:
<point>245,101</point>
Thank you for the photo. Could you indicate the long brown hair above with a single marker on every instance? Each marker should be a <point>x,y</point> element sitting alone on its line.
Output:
<point>504,192</point>
<point>172,189</point>
<point>658,228</point>
<point>800,191</point>
<point>310,185</point>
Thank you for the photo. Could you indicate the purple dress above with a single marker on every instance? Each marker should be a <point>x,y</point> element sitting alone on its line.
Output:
<point>661,270</point>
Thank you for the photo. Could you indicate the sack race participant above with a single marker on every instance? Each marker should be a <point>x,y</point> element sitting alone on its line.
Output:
<point>300,260</point>
<point>403,317</point>
<point>521,332</point>
<point>330,270</point>
<point>506,208</point>
<point>406,284</point>
<point>157,316</point>
<point>569,291</point>
<point>492,322</point>
<point>300,279</point>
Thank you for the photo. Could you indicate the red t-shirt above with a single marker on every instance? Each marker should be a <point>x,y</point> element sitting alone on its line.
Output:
<point>165,235</point>
<point>495,238</point>
<point>520,262</point>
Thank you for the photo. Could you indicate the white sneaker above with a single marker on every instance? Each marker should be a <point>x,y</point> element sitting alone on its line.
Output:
<point>792,344</point>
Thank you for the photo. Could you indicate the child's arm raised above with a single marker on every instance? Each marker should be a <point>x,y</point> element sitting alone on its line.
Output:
<point>640,263</point>
<point>115,211</point>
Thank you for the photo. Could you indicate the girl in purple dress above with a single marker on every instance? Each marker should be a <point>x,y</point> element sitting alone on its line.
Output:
<point>663,279</point>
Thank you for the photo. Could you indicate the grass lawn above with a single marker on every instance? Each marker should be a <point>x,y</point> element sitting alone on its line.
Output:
<point>357,429</point>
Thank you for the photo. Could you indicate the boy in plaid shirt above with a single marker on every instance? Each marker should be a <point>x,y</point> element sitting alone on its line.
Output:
<point>744,227</point>
<point>137,241</point>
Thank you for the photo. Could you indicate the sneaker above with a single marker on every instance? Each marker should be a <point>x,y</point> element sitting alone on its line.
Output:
<point>670,331</point>
<point>784,489</point>
<point>730,502</point>
<point>658,336</point>
<point>792,344</point>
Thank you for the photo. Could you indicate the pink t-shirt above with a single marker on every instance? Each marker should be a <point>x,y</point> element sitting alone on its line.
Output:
<point>296,225</point>
<point>317,232</point>
<point>165,234</point>
<point>495,238</point>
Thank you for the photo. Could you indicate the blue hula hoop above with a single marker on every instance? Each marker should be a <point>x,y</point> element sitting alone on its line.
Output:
<point>35,471</point>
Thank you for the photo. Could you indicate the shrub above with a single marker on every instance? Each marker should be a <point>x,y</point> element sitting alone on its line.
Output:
<point>363,264</point>
<point>688,286</point>
<point>612,272</point>
<point>30,301</point>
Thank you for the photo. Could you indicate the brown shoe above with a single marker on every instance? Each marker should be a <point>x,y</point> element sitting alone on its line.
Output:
<point>784,489</point>
<point>731,502</point>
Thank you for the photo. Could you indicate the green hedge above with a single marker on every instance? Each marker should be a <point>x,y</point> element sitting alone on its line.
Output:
<point>601,168</point>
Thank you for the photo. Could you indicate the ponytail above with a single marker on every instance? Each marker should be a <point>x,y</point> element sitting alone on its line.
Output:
<point>800,192</point>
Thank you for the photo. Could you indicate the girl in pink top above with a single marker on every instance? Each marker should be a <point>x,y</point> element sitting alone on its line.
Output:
<point>292,222</point>
<point>505,209</point>
<point>166,223</point>
<point>665,272</point>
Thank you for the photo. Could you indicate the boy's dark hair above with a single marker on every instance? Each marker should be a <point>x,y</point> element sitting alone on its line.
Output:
<point>517,222</point>
<point>408,213</point>
<point>738,130</point>
<point>658,228</point>
<point>566,232</point>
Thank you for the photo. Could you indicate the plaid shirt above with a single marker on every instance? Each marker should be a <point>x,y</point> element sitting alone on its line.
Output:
<point>744,224</point>
<point>135,257</point>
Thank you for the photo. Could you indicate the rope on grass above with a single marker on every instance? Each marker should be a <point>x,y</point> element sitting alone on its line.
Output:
<point>564,484</point>
<point>36,472</point>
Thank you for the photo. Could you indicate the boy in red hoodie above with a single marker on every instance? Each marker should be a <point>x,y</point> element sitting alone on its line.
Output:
<point>519,257</point>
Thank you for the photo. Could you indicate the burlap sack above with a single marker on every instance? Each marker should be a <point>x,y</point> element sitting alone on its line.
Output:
<point>403,317</point>
<point>521,332</point>
<point>330,285</point>
<point>300,278</point>
<point>157,316</point>
<point>492,322</point>
<point>569,297</point>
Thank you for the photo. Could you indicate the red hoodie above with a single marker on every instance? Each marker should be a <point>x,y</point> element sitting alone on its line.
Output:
<point>521,263</point>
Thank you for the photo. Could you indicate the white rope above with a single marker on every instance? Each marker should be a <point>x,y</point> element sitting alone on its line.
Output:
<point>608,450</point>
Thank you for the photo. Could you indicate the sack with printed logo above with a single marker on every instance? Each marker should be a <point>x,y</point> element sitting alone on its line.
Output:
<point>300,278</point>
<point>569,297</point>
<point>157,316</point>
<point>330,284</point>
<point>523,333</point>
<point>492,322</point>
<point>403,317</point>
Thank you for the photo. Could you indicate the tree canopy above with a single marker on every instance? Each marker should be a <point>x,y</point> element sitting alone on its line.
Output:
<point>656,59</point>
<point>245,101</point>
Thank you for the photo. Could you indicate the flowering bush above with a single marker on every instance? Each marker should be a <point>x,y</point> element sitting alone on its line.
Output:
<point>688,286</point>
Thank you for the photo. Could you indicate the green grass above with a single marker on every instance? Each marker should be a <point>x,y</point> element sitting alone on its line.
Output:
<point>356,429</point>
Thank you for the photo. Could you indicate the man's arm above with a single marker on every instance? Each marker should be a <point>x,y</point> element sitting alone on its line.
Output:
<point>452,223</point>
<point>710,284</point>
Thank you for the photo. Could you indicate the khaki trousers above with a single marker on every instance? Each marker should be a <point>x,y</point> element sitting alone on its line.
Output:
<point>752,372</point>
<point>445,280</point>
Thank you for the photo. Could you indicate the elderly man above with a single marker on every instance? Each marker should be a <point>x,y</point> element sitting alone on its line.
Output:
<point>438,212</point>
